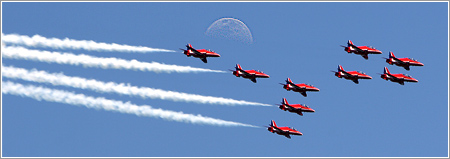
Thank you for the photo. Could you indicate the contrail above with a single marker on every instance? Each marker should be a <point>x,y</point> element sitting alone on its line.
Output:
<point>55,43</point>
<point>60,96</point>
<point>99,62</point>
<point>119,88</point>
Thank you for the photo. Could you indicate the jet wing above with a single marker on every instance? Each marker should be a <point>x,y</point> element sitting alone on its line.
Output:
<point>348,74</point>
<point>194,50</point>
<point>292,108</point>
<point>243,71</point>
<point>399,61</point>
<point>282,131</point>
<point>356,47</point>
<point>304,94</point>
<point>395,78</point>
<point>297,87</point>
<point>365,56</point>
<point>204,60</point>
<point>197,52</point>
<point>278,129</point>
<point>293,85</point>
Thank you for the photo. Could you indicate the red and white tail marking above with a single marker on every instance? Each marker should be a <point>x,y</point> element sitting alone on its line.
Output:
<point>238,66</point>
<point>190,45</point>
<point>272,123</point>
<point>340,68</point>
<point>386,71</point>
<point>285,102</point>
<point>288,83</point>
<point>391,54</point>
<point>350,42</point>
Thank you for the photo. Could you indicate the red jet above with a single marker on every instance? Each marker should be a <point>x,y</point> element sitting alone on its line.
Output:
<point>295,108</point>
<point>402,62</point>
<point>399,78</point>
<point>364,51</point>
<point>250,74</point>
<point>202,53</point>
<point>351,75</point>
<point>301,88</point>
<point>286,131</point>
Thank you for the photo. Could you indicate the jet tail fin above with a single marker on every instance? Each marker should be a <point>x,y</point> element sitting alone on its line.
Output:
<point>349,43</point>
<point>386,71</point>
<point>340,68</point>
<point>288,80</point>
<point>238,67</point>
<point>273,124</point>
<point>189,46</point>
<point>391,54</point>
<point>285,102</point>
<point>288,83</point>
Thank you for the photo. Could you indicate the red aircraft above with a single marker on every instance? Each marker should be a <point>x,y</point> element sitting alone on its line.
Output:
<point>364,51</point>
<point>399,78</point>
<point>351,75</point>
<point>286,131</point>
<point>402,62</point>
<point>295,108</point>
<point>301,88</point>
<point>202,53</point>
<point>250,74</point>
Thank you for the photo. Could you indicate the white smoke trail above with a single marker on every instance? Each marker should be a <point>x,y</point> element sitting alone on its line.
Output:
<point>111,87</point>
<point>91,61</point>
<point>40,41</point>
<point>60,96</point>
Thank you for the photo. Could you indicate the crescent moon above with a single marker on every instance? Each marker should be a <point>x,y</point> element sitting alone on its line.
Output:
<point>231,29</point>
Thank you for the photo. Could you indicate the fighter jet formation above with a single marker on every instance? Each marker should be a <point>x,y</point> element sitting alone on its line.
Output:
<point>302,88</point>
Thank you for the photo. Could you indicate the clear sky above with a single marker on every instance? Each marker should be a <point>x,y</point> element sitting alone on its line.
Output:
<point>300,40</point>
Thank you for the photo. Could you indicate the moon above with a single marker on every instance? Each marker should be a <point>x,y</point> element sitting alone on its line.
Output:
<point>230,29</point>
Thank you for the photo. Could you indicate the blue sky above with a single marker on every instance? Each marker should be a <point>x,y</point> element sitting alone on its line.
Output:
<point>375,118</point>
